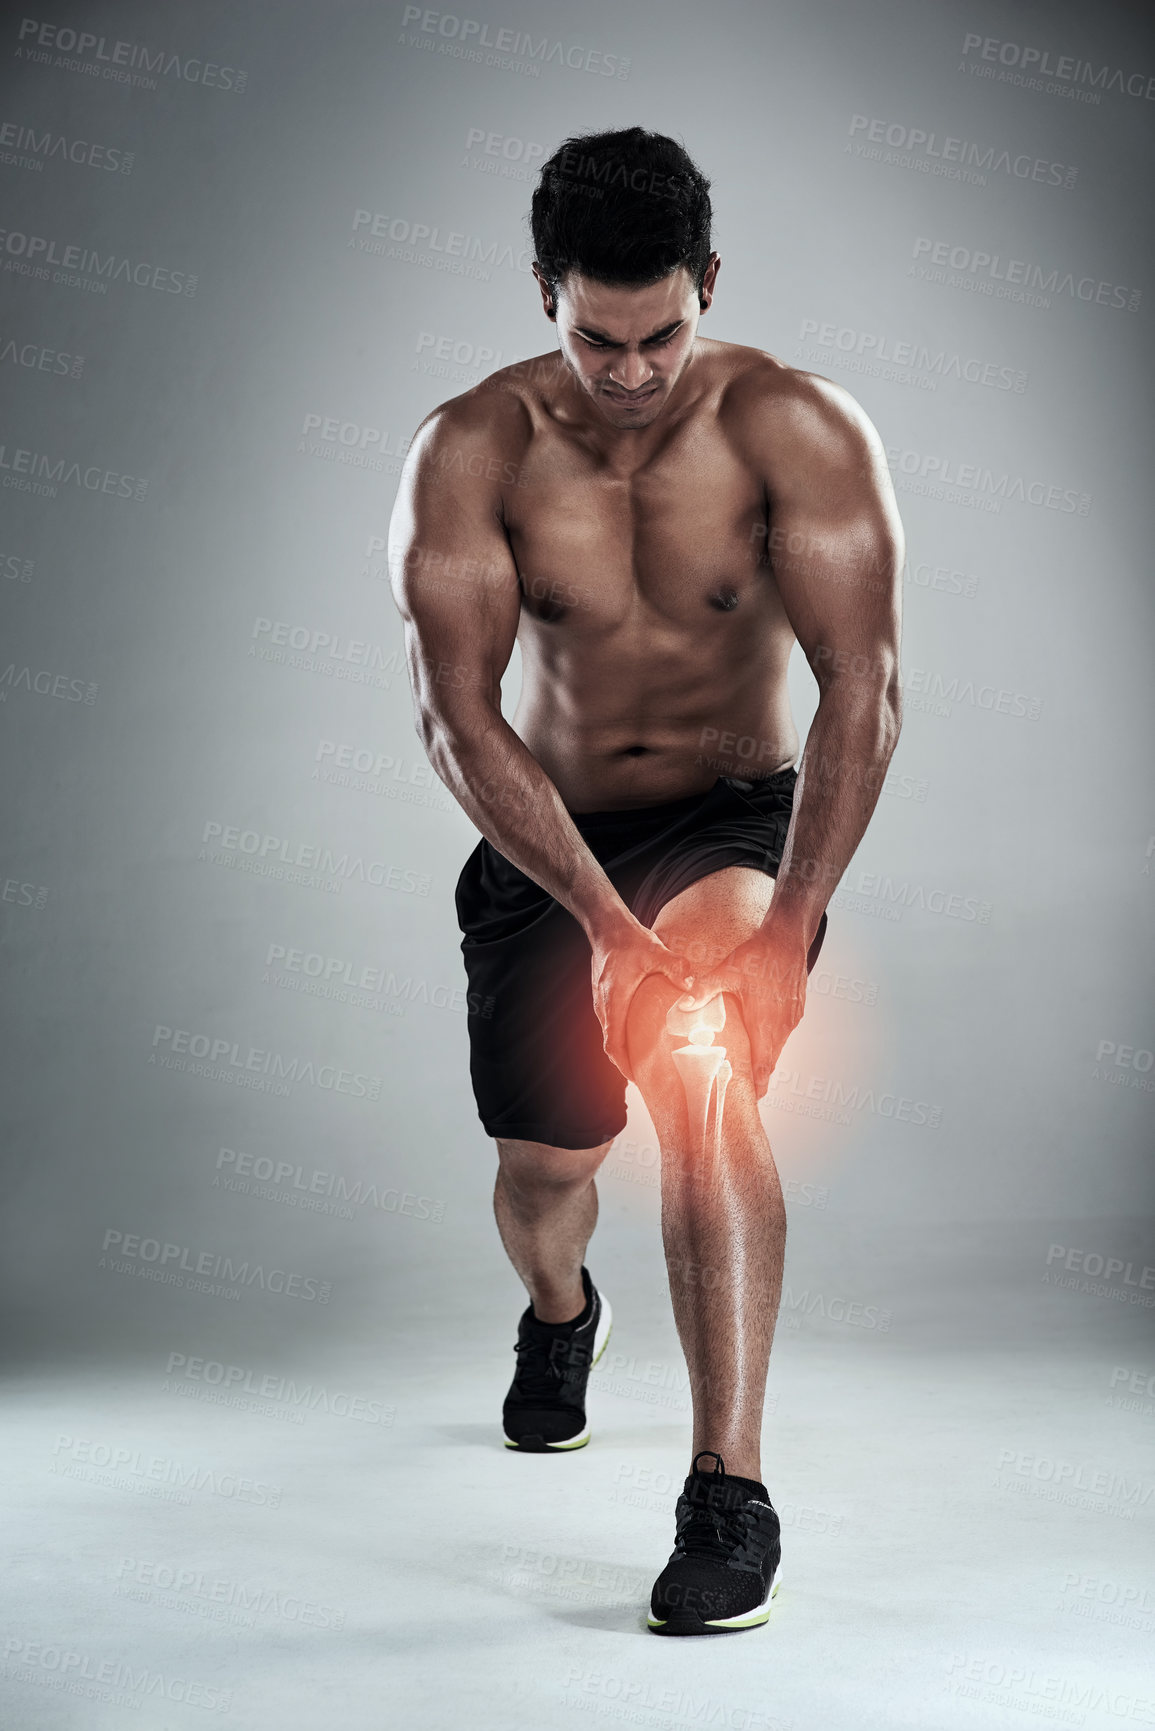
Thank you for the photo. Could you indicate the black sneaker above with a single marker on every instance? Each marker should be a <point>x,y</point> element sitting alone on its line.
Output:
<point>724,1568</point>
<point>545,1408</point>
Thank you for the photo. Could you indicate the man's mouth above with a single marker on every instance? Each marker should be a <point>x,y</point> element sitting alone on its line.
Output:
<point>631,399</point>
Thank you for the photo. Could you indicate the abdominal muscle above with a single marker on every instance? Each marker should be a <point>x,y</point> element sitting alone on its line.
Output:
<point>614,731</point>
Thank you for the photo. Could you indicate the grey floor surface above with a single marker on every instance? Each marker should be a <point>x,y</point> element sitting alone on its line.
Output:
<point>967,1541</point>
<point>326,1531</point>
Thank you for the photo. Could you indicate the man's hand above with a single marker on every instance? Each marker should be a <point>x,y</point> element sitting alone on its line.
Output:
<point>768,977</point>
<point>621,961</point>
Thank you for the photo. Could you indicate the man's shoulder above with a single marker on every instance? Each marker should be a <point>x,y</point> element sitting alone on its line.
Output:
<point>761,388</point>
<point>788,420</point>
<point>495,415</point>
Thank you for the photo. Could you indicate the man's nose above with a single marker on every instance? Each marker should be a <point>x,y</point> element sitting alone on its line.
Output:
<point>632,372</point>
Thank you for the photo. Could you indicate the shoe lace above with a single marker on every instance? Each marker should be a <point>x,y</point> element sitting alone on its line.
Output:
<point>714,1533</point>
<point>542,1366</point>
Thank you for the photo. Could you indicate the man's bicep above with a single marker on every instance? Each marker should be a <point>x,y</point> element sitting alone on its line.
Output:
<point>454,576</point>
<point>836,539</point>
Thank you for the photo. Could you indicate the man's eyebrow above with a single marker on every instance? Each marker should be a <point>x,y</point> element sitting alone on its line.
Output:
<point>603,337</point>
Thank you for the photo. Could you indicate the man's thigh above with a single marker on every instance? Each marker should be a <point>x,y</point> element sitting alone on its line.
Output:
<point>539,1070</point>
<point>716,914</point>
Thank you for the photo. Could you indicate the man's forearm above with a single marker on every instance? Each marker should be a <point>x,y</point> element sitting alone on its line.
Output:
<point>500,785</point>
<point>848,748</point>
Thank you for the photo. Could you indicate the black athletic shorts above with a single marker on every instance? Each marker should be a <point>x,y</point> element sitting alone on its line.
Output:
<point>536,1059</point>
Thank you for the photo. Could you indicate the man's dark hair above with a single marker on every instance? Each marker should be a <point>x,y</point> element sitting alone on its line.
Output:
<point>622,207</point>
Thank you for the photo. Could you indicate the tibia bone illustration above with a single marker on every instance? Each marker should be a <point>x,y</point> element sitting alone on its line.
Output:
<point>703,1067</point>
<point>720,1080</point>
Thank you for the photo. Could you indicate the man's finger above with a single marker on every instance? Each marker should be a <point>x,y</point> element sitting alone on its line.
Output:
<point>618,1061</point>
<point>762,1057</point>
<point>700,994</point>
<point>614,1028</point>
<point>617,1053</point>
<point>617,1031</point>
<point>773,1053</point>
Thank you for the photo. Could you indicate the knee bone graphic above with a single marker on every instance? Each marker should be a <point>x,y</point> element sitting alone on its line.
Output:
<point>703,1067</point>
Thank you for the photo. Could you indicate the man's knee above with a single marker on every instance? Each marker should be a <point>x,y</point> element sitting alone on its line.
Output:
<point>651,1047</point>
<point>651,1055</point>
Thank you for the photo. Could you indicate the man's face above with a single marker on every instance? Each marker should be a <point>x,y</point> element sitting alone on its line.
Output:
<point>627,347</point>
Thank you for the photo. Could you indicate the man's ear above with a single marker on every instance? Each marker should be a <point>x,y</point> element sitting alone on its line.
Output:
<point>546,295</point>
<point>709,277</point>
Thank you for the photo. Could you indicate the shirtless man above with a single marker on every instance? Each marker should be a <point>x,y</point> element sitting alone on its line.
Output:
<point>657,518</point>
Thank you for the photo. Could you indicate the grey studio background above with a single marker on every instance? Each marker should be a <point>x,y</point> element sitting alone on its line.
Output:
<point>258,1316</point>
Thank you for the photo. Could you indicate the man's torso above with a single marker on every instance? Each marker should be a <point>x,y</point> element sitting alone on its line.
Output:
<point>654,640</point>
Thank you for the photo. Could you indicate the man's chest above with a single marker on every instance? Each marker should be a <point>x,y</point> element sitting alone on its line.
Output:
<point>681,532</point>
